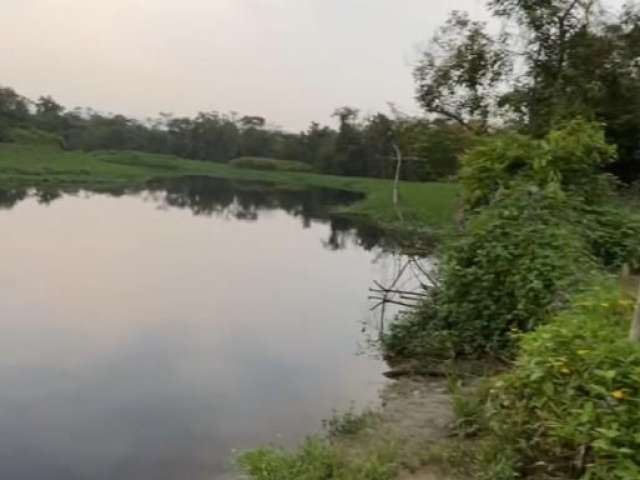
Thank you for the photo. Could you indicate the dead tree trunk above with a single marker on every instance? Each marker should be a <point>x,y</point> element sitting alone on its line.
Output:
<point>396,180</point>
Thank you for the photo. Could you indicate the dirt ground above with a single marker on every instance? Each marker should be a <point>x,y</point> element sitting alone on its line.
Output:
<point>417,412</point>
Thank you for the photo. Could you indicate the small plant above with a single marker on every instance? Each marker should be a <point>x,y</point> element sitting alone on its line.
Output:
<point>346,424</point>
<point>320,459</point>
<point>314,460</point>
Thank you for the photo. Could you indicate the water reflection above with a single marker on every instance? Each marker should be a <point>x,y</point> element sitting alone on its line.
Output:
<point>142,341</point>
<point>245,201</point>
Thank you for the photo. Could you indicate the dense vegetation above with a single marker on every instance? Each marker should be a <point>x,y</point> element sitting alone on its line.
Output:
<point>540,222</point>
<point>569,407</point>
<point>528,278</point>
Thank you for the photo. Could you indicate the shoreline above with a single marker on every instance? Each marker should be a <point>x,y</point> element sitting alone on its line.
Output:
<point>425,205</point>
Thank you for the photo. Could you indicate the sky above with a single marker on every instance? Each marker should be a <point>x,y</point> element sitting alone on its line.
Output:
<point>291,61</point>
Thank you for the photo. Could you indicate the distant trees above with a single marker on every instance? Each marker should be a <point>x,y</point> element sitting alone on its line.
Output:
<point>318,143</point>
<point>360,146</point>
<point>14,111</point>
<point>350,154</point>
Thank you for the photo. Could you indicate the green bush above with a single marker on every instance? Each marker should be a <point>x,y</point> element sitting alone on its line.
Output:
<point>260,163</point>
<point>571,156</point>
<point>348,423</point>
<point>137,159</point>
<point>570,407</point>
<point>540,220</point>
<point>33,136</point>
<point>515,264</point>
<point>613,234</point>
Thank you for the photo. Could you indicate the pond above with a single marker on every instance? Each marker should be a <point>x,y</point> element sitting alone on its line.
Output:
<point>150,334</point>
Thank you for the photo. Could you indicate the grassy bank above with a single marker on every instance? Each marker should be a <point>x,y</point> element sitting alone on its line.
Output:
<point>398,441</point>
<point>431,204</point>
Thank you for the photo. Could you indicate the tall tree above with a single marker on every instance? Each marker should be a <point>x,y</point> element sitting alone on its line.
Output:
<point>14,111</point>
<point>350,158</point>
<point>551,30</point>
<point>459,76</point>
<point>48,114</point>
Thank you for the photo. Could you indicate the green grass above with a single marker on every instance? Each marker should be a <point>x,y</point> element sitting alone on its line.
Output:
<point>353,448</point>
<point>422,204</point>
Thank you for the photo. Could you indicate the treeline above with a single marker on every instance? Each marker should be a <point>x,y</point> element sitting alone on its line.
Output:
<point>359,147</point>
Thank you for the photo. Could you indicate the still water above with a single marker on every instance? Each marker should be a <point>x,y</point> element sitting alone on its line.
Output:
<point>150,334</point>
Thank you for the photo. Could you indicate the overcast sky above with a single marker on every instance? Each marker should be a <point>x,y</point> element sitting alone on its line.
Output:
<point>292,61</point>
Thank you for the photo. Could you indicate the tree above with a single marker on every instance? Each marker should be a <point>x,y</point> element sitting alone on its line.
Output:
<point>319,146</point>
<point>459,76</point>
<point>255,141</point>
<point>378,139</point>
<point>350,156</point>
<point>14,112</point>
<point>580,63</point>
<point>573,58</point>
<point>48,114</point>
<point>552,30</point>
<point>252,121</point>
<point>618,75</point>
<point>48,106</point>
<point>214,137</point>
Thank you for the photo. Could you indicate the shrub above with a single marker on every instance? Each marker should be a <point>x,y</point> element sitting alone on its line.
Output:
<point>33,136</point>
<point>570,408</point>
<point>541,220</point>
<point>260,163</point>
<point>347,423</point>
<point>613,234</point>
<point>138,159</point>
<point>571,156</point>
<point>514,265</point>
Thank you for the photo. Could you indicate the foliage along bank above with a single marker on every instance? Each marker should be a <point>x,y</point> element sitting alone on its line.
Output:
<point>529,281</point>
